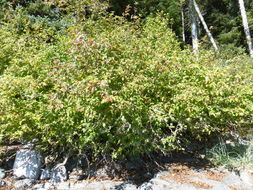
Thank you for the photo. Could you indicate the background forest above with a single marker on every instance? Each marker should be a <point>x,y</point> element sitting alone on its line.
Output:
<point>118,77</point>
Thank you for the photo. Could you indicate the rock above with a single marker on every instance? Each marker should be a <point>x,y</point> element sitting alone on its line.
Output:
<point>71,186</point>
<point>64,186</point>
<point>101,185</point>
<point>161,174</point>
<point>247,177</point>
<point>234,138</point>
<point>95,171</point>
<point>214,185</point>
<point>125,186</point>
<point>159,184</point>
<point>2,184</point>
<point>76,174</point>
<point>58,174</point>
<point>76,162</point>
<point>2,173</point>
<point>145,186</point>
<point>39,186</point>
<point>129,187</point>
<point>235,181</point>
<point>86,185</point>
<point>42,186</point>
<point>48,186</point>
<point>24,183</point>
<point>71,164</point>
<point>27,164</point>
<point>101,172</point>
<point>45,174</point>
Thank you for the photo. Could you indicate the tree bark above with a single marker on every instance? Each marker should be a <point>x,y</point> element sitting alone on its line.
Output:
<point>246,26</point>
<point>183,25</point>
<point>194,29</point>
<point>196,7</point>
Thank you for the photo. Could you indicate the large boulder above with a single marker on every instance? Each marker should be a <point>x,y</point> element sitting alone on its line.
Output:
<point>27,164</point>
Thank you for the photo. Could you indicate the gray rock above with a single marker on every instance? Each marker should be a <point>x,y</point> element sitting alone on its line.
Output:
<point>247,177</point>
<point>2,173</point>
<point>27,164</point>
<point>125,186</point>
<point>64,186</point>
<point>216,185</point>
<point>2,183</point>
<point>235,181</point>
<point>71,186</point>
<point>160,184</point>
<point>76,174</point>
<point>100,172</point>
<point>161,174</point>
<point>101,185</point>
<point>24,183</point>
<point>42,186</point>
<point>48,186</point>
<point>94,171</point>
<point>45,174</point>
<point>85,185</point>
<point>145,186</point>
<point>38,186</point>
<point>58,174</point>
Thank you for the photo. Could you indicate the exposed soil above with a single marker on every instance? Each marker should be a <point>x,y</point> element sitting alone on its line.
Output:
<point>214,175</point>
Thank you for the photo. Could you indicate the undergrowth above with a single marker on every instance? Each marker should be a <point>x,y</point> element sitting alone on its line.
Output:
<point>105,84</point>
<point>234,156</point>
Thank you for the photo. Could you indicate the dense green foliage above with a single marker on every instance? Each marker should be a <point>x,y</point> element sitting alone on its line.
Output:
<point>107,83</point>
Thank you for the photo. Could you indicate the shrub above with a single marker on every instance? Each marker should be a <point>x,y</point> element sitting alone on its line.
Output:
<point>112,86</point>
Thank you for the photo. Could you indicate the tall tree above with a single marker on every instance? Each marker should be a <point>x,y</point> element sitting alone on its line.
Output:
<point>194,28</point>
<point>196,7</point>
<point>246,26</point>
<point>183,24</point>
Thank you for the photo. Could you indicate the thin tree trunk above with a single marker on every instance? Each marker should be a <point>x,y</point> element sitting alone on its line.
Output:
<point>194,29</point>
<point>246,26</point>
<point>205,25</point>
<point>183,25</point>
